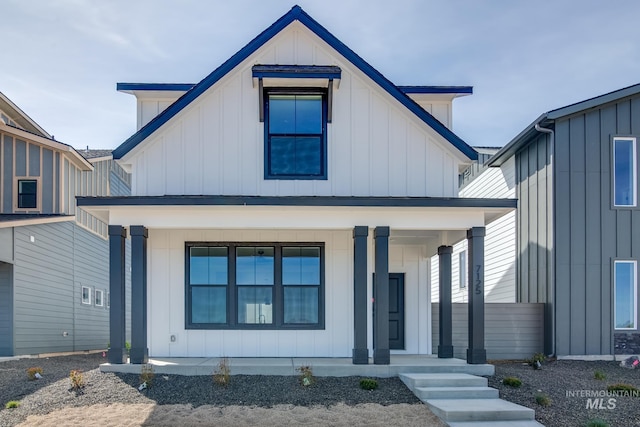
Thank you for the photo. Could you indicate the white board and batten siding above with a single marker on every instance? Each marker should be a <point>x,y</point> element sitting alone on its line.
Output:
<point>500,241</point>
<point>215,145</point>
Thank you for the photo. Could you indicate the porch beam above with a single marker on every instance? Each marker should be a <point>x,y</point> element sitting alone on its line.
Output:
<point>139,352</point>
<point>445,324</point>
<point>360,353</point>
<point>476,353</point>
<point>117,351</point>
<point>381,354</point>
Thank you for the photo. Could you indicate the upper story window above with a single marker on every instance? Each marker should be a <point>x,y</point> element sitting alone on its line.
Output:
<point>27,194</point>
<point>624,171</point>
<point>296,103</point>
<point>295,134</point>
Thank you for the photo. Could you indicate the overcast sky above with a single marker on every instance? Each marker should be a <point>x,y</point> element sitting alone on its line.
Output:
<point>61,59</point>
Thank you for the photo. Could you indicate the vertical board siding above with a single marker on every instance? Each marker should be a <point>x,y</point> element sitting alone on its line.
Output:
<point>6,310</point>
<point>512,331</point>
<point>589,232</point>
<point>166,304</point>
<point>48,275</point>
<point>216,144</point>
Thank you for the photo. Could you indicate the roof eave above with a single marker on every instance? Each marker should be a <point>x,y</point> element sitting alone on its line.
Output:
<point>516,143</point>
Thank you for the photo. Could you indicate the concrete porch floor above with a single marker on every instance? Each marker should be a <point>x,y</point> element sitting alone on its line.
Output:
<point>322,367</point>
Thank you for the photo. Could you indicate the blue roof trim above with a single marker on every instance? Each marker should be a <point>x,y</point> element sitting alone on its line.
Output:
<point>296,13</point>
<point>466,90</point>
<point>155,86</point>
<point>297,71</point>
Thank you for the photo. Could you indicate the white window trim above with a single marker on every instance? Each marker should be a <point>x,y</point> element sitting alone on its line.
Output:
<point>101,297</point>
<point>634,168</point>
<point>462,270</point>
<point>635,294</point>
<point>108,299</point>
<point>88,300</point>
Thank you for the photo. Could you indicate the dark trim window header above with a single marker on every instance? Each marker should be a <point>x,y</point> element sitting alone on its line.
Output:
<point>254,285</point>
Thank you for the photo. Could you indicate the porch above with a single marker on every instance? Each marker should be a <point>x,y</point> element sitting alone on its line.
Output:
<point>322,366</point>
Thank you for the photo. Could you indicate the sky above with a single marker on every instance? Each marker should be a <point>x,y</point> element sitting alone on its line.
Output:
<point>61,59</point>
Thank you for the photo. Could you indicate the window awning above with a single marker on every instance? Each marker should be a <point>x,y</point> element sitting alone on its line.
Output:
<point>320,76</point>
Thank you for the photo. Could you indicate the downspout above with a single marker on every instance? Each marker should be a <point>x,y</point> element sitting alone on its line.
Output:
<point>551,282</point>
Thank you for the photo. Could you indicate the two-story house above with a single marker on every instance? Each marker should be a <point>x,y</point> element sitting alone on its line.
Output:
<point>575,175</point>
<point>54,293</point>
<point>288,205</point>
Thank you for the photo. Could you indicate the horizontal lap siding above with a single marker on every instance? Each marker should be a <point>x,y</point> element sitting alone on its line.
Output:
<point>500,241</point>
<point>166,305</point>
<point>216,144</point>
<point>512,331</point>
<point>6,310</point>
<point>48,275</point>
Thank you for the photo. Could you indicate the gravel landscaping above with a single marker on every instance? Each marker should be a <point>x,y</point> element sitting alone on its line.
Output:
<point>249,400</point>
<point>559,379</point>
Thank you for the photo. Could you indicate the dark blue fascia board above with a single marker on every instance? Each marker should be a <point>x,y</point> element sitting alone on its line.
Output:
<point>331,201</point>
<point>462,90</point>
<point>155,86</point>
<point>296,13</point>
<point>297,71</point>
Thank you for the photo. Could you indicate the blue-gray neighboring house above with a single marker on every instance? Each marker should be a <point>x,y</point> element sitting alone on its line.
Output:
<point>54,264</point>
<point>578,223</point>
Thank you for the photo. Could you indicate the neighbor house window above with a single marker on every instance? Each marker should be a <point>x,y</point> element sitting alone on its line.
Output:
<point>98,298</point>
<point>462,269</point>
<point>624,171</point>
<point>270,286</point>
<point>625,294</point>
<point>295,134</point>
<point>27,194</point>
<point>86,295</point>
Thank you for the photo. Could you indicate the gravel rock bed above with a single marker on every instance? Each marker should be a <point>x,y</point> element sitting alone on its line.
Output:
<point>53,391</point>
<point>557,378</point>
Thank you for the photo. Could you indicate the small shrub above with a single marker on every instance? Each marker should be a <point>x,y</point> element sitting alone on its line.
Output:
<point>146,374</point>
<point>31,372</point>
<point>127,346</point>
<point>512,382</point>
<point>622,387</point>
<point>599,375</point>
<point>596,423</point>
<point>542,399</point>
<point>222,374</point>
<point>368,384</point>
<point>537,360</point>
<point>306,375</point>
<point>12,404</point>
<point>77,379</point>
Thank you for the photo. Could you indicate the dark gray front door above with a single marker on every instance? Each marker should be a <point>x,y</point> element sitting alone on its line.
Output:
<point>396,311</point>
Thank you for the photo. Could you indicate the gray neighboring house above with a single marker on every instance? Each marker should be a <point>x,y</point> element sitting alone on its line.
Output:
<point>54,263</point>
<point>578,223</point>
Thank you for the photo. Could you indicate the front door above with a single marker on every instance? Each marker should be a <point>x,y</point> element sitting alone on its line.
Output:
<point>396,311</point>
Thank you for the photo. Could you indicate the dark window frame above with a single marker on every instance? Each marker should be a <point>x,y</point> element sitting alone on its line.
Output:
<point>21,194</point>
<point>232,288</point>
<point>267,135</point>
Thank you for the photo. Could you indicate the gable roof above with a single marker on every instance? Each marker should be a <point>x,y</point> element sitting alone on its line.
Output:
<point>549,118</point>
<point>295,14</point>
<point>21,118</point>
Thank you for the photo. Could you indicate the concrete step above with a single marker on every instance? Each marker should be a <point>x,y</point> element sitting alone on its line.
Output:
<point>462,368</point>
<point>525,423</point>
<point>442,380</point>
<point>425,393</point>
<point>479,410</point>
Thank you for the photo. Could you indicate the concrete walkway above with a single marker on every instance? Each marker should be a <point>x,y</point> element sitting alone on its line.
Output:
<point>322,367</point>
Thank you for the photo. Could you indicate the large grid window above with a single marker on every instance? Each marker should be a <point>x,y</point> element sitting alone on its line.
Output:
<point>625,298</point>
<point>255,286</point>
<point>624,172</point>
<point>295,134</point>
